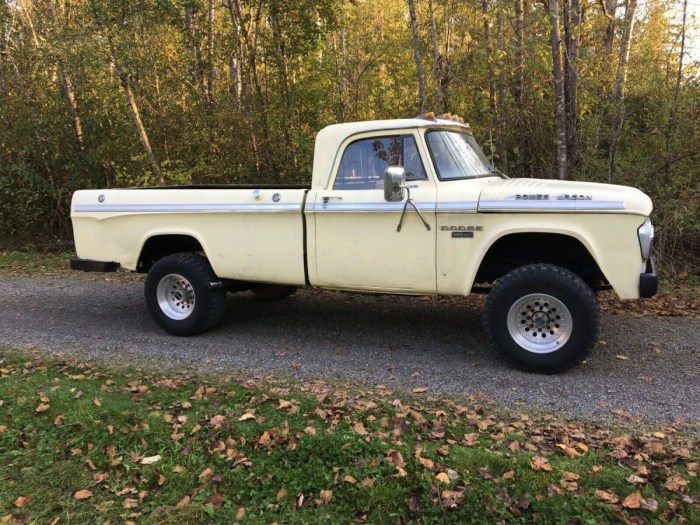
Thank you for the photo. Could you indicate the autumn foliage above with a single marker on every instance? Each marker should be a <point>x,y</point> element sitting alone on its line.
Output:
<point>96,93</point>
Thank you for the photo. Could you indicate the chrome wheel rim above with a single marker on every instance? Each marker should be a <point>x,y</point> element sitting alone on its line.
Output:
<point>175,296</point>
<point>539,323</point>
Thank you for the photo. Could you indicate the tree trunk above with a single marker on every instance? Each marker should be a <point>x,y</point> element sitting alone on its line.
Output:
<point>249,58</point>
<point>572,21</point>
<point>193,32</point>
<point>417,55</point>
<point>501,150</point>
<point>609,7</point>
<point>280,54</point>
<point>676,93</point>
<point>488,46</point>
<point>140,128</point>
<point>125,81</point>
<point>211,70</point>
<point>518,87</point>
<point>618,109</point>
<point>67,85</point>
<point>559,108</point>
<point>26,89</point>
<point>437,61</point>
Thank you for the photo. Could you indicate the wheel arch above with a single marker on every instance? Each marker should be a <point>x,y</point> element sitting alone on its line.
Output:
<point>515,249</point>
<point>160,245</point>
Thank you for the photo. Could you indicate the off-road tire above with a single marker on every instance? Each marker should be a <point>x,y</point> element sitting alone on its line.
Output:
<point>180,297</point>
<point>542,318</point>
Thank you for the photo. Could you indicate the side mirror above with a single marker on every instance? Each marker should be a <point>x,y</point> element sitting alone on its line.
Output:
<point>394,182</point>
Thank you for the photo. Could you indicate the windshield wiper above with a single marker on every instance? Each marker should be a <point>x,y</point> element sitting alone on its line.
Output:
<point>498,172</point>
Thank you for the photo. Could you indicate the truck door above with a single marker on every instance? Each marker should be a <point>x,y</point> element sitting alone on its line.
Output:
<point>357,245</point>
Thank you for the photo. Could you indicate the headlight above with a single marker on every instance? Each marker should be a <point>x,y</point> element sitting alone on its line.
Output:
<point>646,238</point>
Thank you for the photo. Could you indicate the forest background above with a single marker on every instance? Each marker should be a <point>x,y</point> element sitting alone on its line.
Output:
<point>103,93</point>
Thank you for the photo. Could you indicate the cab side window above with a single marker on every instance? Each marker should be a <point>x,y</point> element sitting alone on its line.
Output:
<point>364,162</point>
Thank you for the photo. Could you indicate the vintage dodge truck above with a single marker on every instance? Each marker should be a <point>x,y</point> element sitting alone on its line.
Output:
<point>407,206</point>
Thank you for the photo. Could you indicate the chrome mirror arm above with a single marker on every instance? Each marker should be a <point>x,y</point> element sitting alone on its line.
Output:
<point>409,200</point>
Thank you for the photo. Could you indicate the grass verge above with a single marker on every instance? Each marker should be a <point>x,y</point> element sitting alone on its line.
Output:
<point>81,443</point>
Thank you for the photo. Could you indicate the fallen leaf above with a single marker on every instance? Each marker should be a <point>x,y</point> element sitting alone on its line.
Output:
<point>607,497</point>
<point>620,357</point>
<point>419,390</point>
<point>184,502</point>
<point>570,476</point>
<point>130,503</point>
<point>366,483</point>
<point>540,463</point>
<point>349,479</point>
<point>82,494</point>
<point>216,500</point>
<point>281,493</point>
<point>637,480</point>
<point>632,501</point>
<point>325,497</point>
<point>265,439</point>
<point>359,428</point>
<point>43,407</point>
<point>206,475</point>
<point>451,498</point>
<point>22,501</point>
<point>217,421</point>
<point>429,464</point>
<point>675,482</point>
<point>650,504</point>
<point>246,417</point>
<point>443,478</point>
<point>240,513</point>
<point>3,428</point>
<point>150,460</point>
<point>470,440</point>
<point>96,402</point>
<point>395,458</point>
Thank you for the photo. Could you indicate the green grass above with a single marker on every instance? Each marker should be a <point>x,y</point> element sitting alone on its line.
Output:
<point>96,425</point>
<point>32,263</point>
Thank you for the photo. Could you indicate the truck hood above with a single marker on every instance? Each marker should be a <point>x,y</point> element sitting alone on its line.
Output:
<point>541,195</point>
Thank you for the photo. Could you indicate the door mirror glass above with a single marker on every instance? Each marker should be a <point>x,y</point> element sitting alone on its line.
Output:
<point>394,183</point>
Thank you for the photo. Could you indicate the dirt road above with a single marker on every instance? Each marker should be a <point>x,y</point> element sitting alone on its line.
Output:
<point>400,342</point>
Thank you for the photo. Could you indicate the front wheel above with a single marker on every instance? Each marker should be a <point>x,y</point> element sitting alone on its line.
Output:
<point>180,297</point>
<point>542,318</point>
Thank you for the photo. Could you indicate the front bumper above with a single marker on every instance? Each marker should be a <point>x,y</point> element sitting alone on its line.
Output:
<point>88,265</point>
<point>648,280</point>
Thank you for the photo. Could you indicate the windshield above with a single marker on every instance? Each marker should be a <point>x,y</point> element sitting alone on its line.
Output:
<point>457,155</point>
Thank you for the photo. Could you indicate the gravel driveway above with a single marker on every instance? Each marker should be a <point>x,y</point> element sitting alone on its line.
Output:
<point>402,342</point>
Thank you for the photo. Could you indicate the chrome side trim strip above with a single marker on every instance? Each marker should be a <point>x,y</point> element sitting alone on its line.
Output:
<point>554,205</point>
<point>186,208</point>
<point>457,207</point>
<point>389,207</point>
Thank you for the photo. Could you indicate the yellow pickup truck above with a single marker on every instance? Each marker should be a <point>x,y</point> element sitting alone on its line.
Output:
<point>409,206</point>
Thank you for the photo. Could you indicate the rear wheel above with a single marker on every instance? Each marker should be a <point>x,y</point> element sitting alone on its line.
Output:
<point>180,297</point>
<point>542,318</point>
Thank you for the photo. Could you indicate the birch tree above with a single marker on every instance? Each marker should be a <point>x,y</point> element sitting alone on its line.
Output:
<point>559,102</point>
<point>618,102</point>
<point>417,55</point>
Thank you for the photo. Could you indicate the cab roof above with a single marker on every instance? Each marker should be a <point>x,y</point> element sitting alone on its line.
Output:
<point>330,138</point>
